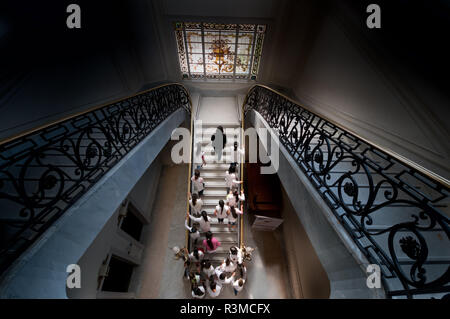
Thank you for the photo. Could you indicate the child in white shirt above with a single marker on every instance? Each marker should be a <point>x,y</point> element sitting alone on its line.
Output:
<point>231,181</point>
<point>197,255</point>
<point>221,211</point>
<point>214,289</point>
<point>228,266</point>
<point>193,232</point>
<point>204,221</point>
<point>224,280</point>
<point>238,285</point>
<point>233,198</point>
<point>198,292</point>
<point>232,216</point>
<point>208,269</point>
<point>235,255</point>
<point>196,203</point>
<point>199,183</point>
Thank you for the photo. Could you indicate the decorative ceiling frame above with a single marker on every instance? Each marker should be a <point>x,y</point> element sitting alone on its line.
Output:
<point>219,51</point>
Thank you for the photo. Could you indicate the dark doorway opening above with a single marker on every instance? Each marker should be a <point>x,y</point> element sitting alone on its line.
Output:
<point>119,275</point>
<point>131,224</point>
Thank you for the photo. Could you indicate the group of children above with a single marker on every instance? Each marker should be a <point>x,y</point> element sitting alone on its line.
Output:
<point>209,280</point>
<point>206,279</point>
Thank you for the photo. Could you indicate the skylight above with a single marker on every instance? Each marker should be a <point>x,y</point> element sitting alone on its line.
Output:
<point>219,51</point>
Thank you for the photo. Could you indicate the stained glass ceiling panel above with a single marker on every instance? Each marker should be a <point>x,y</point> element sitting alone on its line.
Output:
<point>219,51</point>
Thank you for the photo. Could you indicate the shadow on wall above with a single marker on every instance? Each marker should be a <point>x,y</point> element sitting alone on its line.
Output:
<point>307,277</point>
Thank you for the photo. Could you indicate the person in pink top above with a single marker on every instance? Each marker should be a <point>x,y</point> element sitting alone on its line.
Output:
<point>210,243</point>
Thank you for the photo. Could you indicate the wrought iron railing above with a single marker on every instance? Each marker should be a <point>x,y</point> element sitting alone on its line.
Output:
<point>43,172</point>
<point>394,210</point>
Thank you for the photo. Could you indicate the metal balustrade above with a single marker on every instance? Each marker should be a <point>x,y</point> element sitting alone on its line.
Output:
<point>44,171</point>
<point>395,211</point>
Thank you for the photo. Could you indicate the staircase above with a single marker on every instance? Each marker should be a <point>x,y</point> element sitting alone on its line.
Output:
<point>215,188</point>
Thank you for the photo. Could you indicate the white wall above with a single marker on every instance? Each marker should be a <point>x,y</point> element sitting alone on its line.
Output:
<point>307,278</point>
<point>341,81</point>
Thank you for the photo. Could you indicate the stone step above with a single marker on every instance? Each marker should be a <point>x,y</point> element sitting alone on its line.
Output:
<point>214,193</point>
<point>224,247</point>
<point>215,184</point>
<point>214,159</point>
<point>213,174</point>
<point>208,148</point>
<point>211,202</point>
<point>214,179</point>
<point>206,142</point>
<point>215,167</point>
<point>224,125</point>
<point>207,129</point>
<point>215,188</point>
<point>214,199</point>
<point>209,151</point>
<point>218,258</point>
<point>206,135</point>
<point>222,228</point>
<point>224,237</point>
<point>209,210</point>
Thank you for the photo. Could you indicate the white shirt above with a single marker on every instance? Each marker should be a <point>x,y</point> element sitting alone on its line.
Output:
<point>230,179</point>
<point>215,293</point>
<point>231,218</point>
<point>229,268</point>
<point>231,199</point>
<point>204,226</point>
<point>198,183</point>
<point>199,297</point>
<point>197,208</point>
<point>200,256</point>
<point>226,281</point>
<point>218,270</point>
<point>209,271</point>
<point>193,235</point>
<point>236,285</point>
<point>222,213</point>
<point>236,258</point>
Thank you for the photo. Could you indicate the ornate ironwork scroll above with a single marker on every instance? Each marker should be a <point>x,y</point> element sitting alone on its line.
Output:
<point>43,173</point>
<point>395,213</point>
